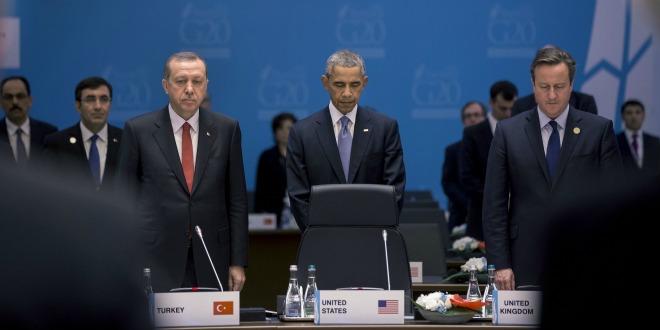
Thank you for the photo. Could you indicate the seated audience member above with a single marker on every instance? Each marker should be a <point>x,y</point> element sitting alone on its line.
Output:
<point>24,134</point>
<point>88,150</point>
<point>270,189</point>
<point>473,112</point>
<point>640,151</point>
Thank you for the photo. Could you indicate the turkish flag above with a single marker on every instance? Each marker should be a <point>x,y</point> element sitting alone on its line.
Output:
<point>223,308</point>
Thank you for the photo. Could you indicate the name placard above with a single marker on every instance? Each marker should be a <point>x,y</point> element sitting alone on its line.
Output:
<point>359,307</point>
<point>416,272</point>
<point>516,307</point>
<point>184,309</point>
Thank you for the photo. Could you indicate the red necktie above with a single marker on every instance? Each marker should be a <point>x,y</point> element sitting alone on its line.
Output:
<point>187,156</point>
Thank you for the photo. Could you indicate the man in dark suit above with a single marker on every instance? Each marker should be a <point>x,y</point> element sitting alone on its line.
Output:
<point>474,152</point>
<point>313,157</point>
<point>578,100</point>
<point>70,149</point>
<point>184,168</point>
<point>524,180</point>
<point>640,151</point>
<point>473,112</point>
<point>16,101</point>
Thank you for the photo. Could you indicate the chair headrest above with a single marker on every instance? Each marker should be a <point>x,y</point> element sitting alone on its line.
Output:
<point>353,204</point>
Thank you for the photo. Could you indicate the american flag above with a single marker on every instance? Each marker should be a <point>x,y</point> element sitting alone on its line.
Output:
<point>388,306</point>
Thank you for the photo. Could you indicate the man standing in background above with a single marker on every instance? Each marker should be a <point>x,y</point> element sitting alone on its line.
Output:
<point>640,151</point>
<point>473,112</point>
<point>25,135</point>
<point>474,152</point>
<point>88,150</point>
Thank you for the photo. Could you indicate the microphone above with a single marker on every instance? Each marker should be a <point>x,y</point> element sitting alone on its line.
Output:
<point>387,262</point>
<point>199,233</point>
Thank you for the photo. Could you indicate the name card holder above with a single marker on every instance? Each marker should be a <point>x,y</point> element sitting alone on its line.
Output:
<point>516,307</point>
<point>359,307</point>
<point>191,309</point>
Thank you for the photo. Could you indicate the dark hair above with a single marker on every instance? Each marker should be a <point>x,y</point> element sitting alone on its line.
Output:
<point>21,78</point>
<point>504,87</point>
<point>484,110</point>
<point>182,57</point>
<point>553,56</point>
<point>632,102</point>
<point>280,118</point>
<point>91,83</point>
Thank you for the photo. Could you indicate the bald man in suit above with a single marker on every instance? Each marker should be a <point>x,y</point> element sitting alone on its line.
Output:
<point>313,155</point>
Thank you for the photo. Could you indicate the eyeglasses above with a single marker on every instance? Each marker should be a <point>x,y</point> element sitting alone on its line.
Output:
<point>92,100</point>
<point>10,97</point>
<point>472,115</point>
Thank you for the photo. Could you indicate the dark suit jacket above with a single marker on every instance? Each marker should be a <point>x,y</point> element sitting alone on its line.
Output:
<point>38,132</point>
<point>150,168</point>
<point>313,157</point>
<point>474,158</point>
<point>271,183</point>
<point>71,157</point>
<point>451,184</point>
<point>651,160</point>
<point>518,193</point>
<point>578,100</point>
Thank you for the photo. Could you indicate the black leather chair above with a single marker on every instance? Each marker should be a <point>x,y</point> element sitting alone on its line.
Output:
<point>344,239</point>
<point>428,215</point>
<point>425,243</point>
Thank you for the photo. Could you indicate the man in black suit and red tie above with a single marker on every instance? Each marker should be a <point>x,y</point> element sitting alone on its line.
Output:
<point>25,135</point>
<point>314,152</point>
<point>640,151</point>
<point>183,166</point>
<point>71,149</point>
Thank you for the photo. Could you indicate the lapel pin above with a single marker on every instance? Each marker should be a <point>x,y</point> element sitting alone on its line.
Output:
<point>366,130</point>
<point>114,140</point>
<point>72,140</point>
<point>208,134</point>
<point>576,130</point>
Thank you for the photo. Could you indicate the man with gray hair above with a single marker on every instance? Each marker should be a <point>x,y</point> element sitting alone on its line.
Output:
<point>343,142</point>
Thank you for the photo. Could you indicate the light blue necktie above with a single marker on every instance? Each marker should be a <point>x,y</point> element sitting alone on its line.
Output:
<point>21,151</point>
<point>344,143</point>
<point>94,161</point>
<point>552,154</point>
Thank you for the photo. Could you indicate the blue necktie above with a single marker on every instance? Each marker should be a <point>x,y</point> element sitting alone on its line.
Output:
<point>21,152</point>
<point>552,154</point>
<point>344,143</point>
<point>94,161</point>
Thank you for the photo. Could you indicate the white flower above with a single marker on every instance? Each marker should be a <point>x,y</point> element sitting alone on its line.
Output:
<point>436,301</point>
<point>479,263</point>
<point>466,243</point>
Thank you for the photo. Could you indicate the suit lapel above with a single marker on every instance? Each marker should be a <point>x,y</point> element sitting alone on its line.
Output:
<point>205,138</point>
<point>165,139</point>
<point>362,132</point>
<point>571,137</point>
<point>326,135</point>
<point>533,132</point>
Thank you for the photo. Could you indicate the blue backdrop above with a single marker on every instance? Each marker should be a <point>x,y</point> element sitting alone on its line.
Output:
<point>425,58</point>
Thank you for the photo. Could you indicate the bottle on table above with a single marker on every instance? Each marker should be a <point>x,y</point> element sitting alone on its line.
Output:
<point>473,291</point>
<point>488,292</point>
<point>149,293</point>
<point>310,292</point>
<point>292,301</point>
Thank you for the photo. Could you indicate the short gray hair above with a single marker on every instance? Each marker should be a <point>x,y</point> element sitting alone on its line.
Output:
<point>182,57</point>
<point>345,58</point>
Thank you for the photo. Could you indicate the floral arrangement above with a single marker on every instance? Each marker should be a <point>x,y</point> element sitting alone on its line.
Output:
<point>468,244</point>
<point>479,263</point>
<point>443,302</point>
